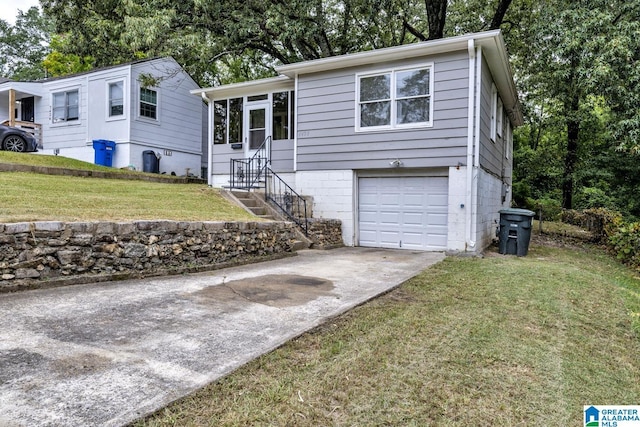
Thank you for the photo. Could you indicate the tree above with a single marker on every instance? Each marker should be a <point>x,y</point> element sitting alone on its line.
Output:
<point>201,33</point>
<point>24,45</point>
<point>568,63</point>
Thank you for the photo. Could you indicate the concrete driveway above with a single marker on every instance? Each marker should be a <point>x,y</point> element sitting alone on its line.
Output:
<point>107,354</point>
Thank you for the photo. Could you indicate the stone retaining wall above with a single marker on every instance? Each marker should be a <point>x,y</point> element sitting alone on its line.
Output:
<point>325,233</point>
<point>36,254</point>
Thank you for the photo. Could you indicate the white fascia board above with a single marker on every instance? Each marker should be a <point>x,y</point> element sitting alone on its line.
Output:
<point>254,87</point>
<point>430,47</point>
<point>23,89</point>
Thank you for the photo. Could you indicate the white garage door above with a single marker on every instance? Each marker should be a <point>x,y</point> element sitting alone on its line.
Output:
<point>403,212</point>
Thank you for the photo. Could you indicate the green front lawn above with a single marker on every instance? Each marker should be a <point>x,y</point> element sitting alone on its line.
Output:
<point>35,197</point>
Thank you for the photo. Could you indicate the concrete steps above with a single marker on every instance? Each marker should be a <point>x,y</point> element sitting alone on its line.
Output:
<point>257,206</point>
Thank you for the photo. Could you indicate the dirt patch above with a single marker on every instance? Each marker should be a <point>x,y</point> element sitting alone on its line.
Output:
<point>276,290</point>
<point>81,364</point>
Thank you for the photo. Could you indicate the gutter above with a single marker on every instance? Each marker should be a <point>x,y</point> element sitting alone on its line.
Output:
<point>209,138</point>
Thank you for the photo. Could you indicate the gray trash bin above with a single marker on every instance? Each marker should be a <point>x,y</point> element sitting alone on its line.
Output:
<point>515,231</point>
<point>150,162</point>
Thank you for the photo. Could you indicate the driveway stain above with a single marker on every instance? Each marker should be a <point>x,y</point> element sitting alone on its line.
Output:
<point>275,290</point>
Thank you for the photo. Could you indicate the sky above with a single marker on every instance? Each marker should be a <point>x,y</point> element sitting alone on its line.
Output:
<point>9,8</point>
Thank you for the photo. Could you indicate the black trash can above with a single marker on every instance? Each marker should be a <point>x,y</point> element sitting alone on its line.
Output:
<point>515,231</point>
<point>150,162</point>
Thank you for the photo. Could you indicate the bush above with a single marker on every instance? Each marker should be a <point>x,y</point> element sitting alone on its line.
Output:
<point>602,222</point>
<point>625,243</point>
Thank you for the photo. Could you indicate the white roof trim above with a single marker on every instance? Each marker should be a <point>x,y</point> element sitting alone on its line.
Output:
<point>491,42</point>
<point>252,87</point>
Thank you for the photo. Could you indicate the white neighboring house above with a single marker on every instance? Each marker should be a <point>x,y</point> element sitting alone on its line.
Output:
<point>113,103</point>
<point>409,146</point>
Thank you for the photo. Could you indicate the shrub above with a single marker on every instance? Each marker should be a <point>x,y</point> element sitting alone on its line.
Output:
<point>602,222</point>
<point>625,243</point>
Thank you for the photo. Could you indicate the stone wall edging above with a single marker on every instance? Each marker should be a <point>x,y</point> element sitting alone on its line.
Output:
<point>51,253</point>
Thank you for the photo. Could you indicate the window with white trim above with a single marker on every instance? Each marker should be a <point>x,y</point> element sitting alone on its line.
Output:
<point>499,116</point>
<point>66,106</point>
<point>116,99</point>
<point>395,99</point>
<point>508,141</point>
<point>494,112</point>
<point>148,103</point>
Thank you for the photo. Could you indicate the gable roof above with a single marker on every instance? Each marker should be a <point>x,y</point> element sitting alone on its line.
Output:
<point>491,42</point>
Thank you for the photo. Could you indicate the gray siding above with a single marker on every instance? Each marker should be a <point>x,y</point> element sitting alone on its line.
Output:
<point>492,157</point>
<point>222,155</point>
<point>179,124</point>
<point>281,157</point>
<point>64,134</point>
<point>327,139</point>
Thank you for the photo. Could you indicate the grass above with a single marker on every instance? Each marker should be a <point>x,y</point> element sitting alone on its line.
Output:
<point>517,341</point>
<point>35,197</point>
<point>73,164</point>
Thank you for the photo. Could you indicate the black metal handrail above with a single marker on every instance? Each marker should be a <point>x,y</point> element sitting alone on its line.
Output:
<point>293,205</point>
<point>247,173</point>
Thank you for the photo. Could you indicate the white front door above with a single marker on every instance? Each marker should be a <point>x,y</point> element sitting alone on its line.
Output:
<point>257,122</point>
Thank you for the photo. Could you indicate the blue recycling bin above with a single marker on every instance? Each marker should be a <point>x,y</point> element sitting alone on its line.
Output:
<point>104,151</point>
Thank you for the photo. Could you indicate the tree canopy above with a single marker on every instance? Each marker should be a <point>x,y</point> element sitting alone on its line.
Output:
<point>575,64</point>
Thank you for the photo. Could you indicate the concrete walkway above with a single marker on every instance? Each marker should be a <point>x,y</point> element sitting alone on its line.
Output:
<point>107,354</point>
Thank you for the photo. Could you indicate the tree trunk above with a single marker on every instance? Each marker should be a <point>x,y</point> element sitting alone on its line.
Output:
<point>501,10</point>
<point>571,157</point>
<point>436,16</point>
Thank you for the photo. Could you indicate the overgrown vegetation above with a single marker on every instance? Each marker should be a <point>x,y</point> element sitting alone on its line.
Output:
<point>519,341</point>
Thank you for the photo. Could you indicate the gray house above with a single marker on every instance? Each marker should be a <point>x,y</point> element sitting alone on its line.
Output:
<point>116,104</point>
<point>409,146</point>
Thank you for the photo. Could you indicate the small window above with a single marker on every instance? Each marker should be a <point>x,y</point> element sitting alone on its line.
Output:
<point>148,103</point>
<point>395,99</point>
<point>65,106</point>
<point>508,141</point>
<point>280,111</point>
<point>235,120</point>
<point>499,115</point>
<point>494,112</point>
<point>116,99</point>
<point>220,122</point>
<point>262,97</point>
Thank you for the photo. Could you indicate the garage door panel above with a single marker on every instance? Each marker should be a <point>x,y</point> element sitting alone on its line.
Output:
<point>403,212</point>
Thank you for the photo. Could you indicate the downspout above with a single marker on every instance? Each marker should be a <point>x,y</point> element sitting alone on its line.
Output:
<point>295,126</point>
<point>469,243</point>
<point>476,165</point>
<point>209,138</point>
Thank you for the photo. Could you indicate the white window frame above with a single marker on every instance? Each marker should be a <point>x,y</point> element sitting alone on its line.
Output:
<point>66,120</point>
<point>499,117</point>
<point>393,125</point>
<point>108,84</point>
<point>494,112</point>
<point>139,103</point>
<point>508,140</point>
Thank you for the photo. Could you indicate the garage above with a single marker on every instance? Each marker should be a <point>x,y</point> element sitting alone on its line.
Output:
<point>403,212</point>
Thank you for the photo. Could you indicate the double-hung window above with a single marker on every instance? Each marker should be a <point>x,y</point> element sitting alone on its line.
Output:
<point>395,99</point>
<point>65,106</point>
<point>116,99</point>
<point>148,103</point>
